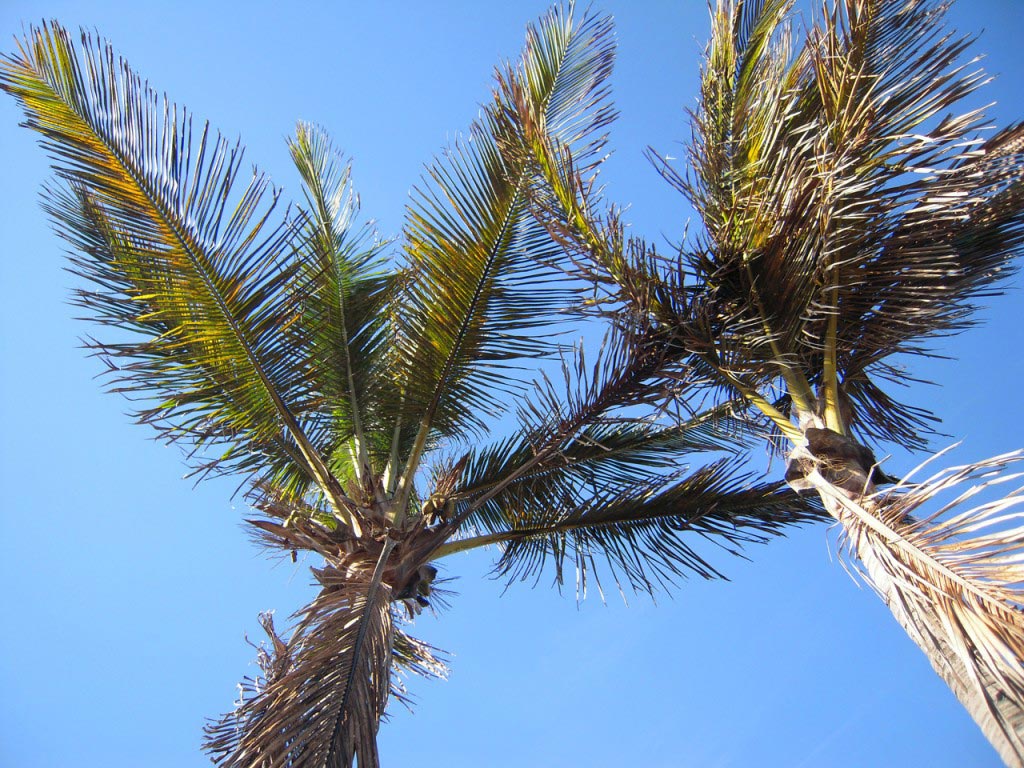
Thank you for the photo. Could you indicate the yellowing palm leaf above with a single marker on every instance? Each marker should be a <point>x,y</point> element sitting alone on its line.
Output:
<point>203,278</point>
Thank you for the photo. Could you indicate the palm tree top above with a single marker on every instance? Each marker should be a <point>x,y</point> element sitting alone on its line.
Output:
<point>352,386</point>
<point>849,215</point>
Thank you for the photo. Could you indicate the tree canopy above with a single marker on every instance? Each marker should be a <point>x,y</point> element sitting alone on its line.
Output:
<point>354,393</point>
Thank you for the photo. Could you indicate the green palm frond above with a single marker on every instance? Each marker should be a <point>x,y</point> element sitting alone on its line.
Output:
<point>472,304</point>
<point>572,443</point>
<point>194,270</point>
<point>346,291</point>
<point>599,456</point>
<point>746,169</point>
<point>699,335</point>
<point>585,475</point>
<point>644,532</point>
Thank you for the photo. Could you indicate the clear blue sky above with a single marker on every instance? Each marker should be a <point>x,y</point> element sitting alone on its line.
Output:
<point>127,592</point>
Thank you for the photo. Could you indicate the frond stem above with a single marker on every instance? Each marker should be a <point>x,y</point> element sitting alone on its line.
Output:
<point>609,396</point>
<point>830,378</point>
<point>405,484</point>
<point>796,383</point>
<point>756,399</point>
<point>392,471</point>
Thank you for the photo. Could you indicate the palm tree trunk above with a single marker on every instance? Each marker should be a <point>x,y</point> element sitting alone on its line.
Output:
<point>996,710</point>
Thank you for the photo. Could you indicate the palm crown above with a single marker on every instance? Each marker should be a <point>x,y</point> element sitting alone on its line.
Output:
<point>352,386</point>
<point>849,216</point>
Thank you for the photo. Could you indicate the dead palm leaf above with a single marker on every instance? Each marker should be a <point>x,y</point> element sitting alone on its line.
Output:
<point>329,684</point>
<point>953,580</point>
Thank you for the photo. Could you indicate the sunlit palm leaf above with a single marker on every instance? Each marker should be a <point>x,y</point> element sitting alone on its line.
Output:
<point>345,290</point>
<point>173,254</point>
<point>977,203</point>
<point>472,304</point>
<point>696,335</point>
<point>953,579</point>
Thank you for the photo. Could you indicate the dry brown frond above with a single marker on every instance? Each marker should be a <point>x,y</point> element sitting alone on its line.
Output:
<point>322,701</point>
<point>952,579</point>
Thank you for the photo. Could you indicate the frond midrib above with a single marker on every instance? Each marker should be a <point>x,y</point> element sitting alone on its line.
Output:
<point>538,531</point>
<point>376,582</point>
<point>412,464</point>
<point>570,462</point>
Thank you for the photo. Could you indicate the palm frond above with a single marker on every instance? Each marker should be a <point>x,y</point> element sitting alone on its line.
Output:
<point>414,657</point>
<point>587,476</point>
<point>599,455</point>
<point>643,533</point>
<point>702,339</point>
<point>326,693</point>
<point>197,272</point>
<point>875,224</point>
<point>848,217</point>
<point>630,283</point>
<point>953,579</point>
<point>472,303</point>
<point>346,290</point>
<point>610,452</point>
<point>976,203</point>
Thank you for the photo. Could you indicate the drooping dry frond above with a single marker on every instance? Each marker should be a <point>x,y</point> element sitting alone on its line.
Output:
<point>953,577</point>
<point>415,657</point>
<point>327,689</point>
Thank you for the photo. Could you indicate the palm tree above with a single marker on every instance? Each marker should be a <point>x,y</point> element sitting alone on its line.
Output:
<point>849,216</point>
<point>351,384</point>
